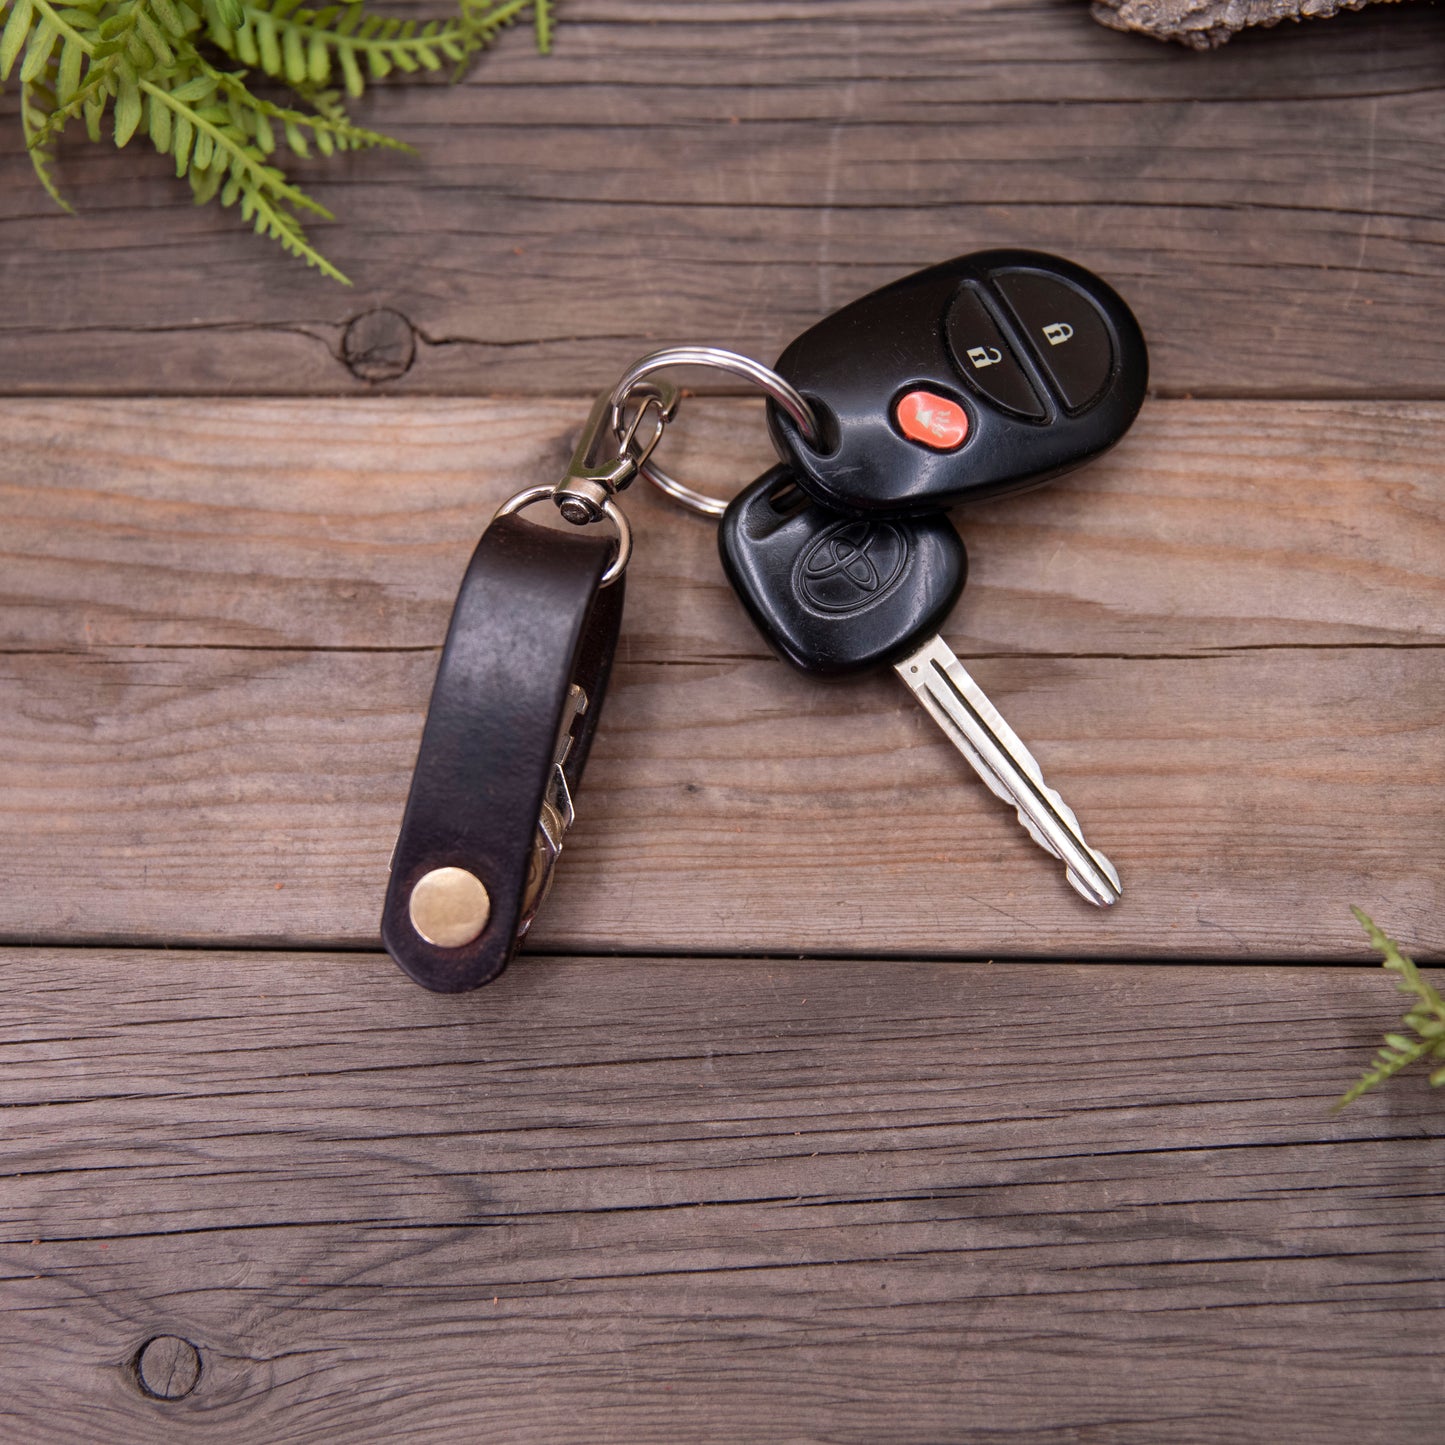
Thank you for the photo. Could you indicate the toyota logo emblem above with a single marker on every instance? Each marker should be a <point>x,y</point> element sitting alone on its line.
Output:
<point>850,566</point>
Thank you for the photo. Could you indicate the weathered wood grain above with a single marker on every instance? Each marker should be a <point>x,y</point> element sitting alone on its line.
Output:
<point>316,525</point>
<point>639,1201</point>
<point>646,1199</point>
<point>177,796</point>
<point>727,171</point>
<point>1225,649</point>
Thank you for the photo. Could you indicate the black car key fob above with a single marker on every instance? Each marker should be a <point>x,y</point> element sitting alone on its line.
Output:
<point>983,376</point>
<point>835,594</point>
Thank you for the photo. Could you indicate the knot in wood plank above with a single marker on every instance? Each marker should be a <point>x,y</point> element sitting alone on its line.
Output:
<point>167,1367</point>
<point>379,345</point>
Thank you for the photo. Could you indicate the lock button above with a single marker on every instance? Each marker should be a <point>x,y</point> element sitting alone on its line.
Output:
<point>1064,330</point>
<point>984,360</point>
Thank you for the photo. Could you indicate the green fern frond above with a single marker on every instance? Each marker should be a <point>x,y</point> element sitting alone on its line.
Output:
<point>1426,1018</point>
<point>486,18</point>
<point>56,45</point>
<point>138,37</point>
<point>329,127</point>
<point>146,67</point>
<point>37,100</point>
<point>304,47</point>
<point>201,134</point>
<point>1397,1053</point>
<point>37,28</point>
<point>267,215</point>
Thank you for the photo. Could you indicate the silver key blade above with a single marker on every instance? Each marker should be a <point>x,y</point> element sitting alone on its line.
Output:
<point>973,725</point>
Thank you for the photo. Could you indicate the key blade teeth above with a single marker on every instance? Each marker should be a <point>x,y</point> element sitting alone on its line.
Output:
<point>1066,814</point>
<point>1010,771</point>
<point>1103,891</point>
<point>1033,830</point>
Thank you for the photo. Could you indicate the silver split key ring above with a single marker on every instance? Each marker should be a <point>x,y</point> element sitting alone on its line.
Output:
<point>716,359</point>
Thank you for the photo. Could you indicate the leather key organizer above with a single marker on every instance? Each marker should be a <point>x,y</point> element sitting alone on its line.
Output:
<point>512,715</point>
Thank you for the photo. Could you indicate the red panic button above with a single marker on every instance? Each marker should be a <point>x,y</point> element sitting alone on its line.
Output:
<point>932,421</point>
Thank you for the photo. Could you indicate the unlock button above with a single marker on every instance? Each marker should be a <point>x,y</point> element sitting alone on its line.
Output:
<point>984,360</point>
<point>1065,332</point>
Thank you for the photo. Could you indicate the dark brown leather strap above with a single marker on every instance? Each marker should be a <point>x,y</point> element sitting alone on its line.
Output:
<point>529,621</point>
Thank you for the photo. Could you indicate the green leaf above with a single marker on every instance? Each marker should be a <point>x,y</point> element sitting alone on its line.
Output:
<point>37,53</point>
<point>94,111</point>
<point>127,109</point>
<point>167,14</point>
<point>266,38</point>
<point>159,117</point>
<point>246,46</point>
<point>12,38</point>
<point>151,33</point>
<point>293,56</point>
<point>67,77</point>
<point>350,71</point>
<point>193,92</point>
<point>181,144</point>
<point>205,184</point>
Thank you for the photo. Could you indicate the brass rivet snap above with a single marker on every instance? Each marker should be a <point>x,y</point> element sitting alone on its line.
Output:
<point>449,907</point>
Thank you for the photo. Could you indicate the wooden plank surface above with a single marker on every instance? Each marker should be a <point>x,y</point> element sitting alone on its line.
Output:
<point>1224,645</point>
<point>641,1201</point>
<point>896,1196</point>
<point>727,171</point>
<point>347,525</point>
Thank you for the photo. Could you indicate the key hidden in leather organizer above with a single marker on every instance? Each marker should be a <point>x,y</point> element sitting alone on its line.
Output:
<point>513,710</point>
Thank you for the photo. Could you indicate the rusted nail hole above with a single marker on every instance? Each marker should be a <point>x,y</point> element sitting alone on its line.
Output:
<point>379,345</point>
<point>167,1367</point>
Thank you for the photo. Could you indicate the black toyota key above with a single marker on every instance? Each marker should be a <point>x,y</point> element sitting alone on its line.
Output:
<point>835,594</point>
<point>985,375</point>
